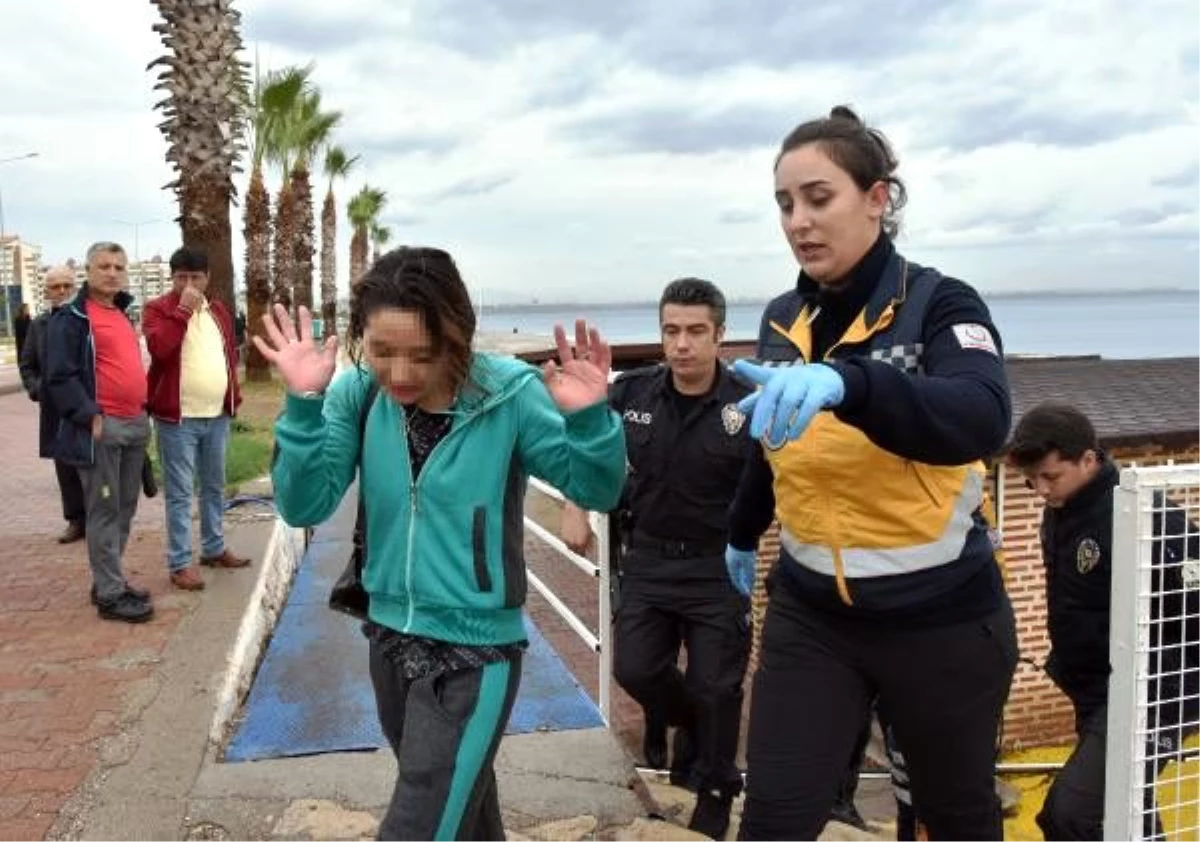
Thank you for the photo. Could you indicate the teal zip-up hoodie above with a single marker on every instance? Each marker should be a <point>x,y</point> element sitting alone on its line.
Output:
<point>445,554</point>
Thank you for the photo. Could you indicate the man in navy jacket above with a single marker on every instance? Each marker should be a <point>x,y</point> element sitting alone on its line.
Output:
<point>1055,446</point>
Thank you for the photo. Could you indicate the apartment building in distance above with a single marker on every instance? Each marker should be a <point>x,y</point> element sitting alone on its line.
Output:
<point>19,275</point>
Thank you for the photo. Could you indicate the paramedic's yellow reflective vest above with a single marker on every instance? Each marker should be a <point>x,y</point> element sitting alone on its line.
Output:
<point>847,508</point>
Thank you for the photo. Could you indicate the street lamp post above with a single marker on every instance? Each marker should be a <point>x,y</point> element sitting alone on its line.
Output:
<point>8,326</point>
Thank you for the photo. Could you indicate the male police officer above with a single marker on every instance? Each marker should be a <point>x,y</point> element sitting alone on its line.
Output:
<point>686,449</point>
<point>1056,447</point>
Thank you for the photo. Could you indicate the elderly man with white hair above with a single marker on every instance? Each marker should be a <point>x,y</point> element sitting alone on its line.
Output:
<point>59,286</point>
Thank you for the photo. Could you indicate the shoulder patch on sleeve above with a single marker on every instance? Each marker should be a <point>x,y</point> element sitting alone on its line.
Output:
<point>976,337</point>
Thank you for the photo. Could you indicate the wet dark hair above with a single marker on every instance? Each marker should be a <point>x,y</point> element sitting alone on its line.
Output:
<point>694,292</point>
<point>426,281</point>
<point>1052,428</point>
<point>863,152</point>
<point>189,259</point>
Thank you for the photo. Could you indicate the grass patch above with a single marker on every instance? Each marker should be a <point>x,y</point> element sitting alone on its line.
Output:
<point>248,456</point>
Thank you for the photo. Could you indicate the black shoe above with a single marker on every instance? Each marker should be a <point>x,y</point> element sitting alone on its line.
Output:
<point>654,741</point>
<point>846,813</point>
<point>683,759</point>
<point>74,532</point>
<point>711,816</point>
<point>126,608</point>
<point>137,593</point>
<point>149,483</point>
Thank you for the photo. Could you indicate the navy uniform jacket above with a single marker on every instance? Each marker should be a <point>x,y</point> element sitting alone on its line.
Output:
<point>1077,551</point>
<point>683,472</point>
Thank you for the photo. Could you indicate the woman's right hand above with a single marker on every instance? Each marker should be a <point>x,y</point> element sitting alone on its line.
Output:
<point>303,365</point>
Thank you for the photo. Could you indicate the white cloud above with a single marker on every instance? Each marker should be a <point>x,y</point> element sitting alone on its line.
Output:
<point>597,150</point>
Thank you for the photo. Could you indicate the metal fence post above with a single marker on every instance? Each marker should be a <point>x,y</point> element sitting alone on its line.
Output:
<point>1122,653</point>
<point>602,526</point>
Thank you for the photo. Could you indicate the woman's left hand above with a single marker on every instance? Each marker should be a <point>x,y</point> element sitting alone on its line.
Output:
<point>580,377</point>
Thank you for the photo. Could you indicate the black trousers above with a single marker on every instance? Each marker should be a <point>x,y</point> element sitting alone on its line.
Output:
<point>942,691</point>
<point>712,620</point>
<point>1074,805</point>
<point>445,731</point>
<point>70,489</point>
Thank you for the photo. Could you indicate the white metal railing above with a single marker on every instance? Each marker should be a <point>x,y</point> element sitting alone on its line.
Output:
<point>1152,774</point>
<point>600,640</point>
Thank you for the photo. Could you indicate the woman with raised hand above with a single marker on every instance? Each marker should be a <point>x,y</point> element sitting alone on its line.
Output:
<point>447,446</point>
<point>883,392</point>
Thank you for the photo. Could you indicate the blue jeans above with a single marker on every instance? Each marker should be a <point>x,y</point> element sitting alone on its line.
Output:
<point>192,453</point>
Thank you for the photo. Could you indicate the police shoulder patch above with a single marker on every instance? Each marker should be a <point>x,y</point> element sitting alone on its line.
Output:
<point>975,337</point>
<point>732,419</point>
<point>1087,555</point>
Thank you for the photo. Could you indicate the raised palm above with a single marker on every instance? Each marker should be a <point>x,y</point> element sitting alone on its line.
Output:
<point>580,377</point>
<point>304,365</point>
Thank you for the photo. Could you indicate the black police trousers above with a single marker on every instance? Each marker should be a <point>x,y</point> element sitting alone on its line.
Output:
<point>711,620</point>
<point>1074,805</point>
<point>942,691</point>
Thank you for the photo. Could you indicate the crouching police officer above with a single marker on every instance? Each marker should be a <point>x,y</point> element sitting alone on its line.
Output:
<point>686,447</point>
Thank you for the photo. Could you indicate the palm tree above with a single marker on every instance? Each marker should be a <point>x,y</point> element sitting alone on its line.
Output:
<point>363,209</point>
<point>337,165</point>
<point>380,234</point>
<point>310,128</point>
<point>273,96</point>
<point>205,106</point>
<point>281,151</point>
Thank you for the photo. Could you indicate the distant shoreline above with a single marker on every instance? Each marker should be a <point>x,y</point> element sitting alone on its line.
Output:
<point>535,306</point>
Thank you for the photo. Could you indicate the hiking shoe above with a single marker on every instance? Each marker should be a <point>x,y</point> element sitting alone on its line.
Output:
<point>126,608</point>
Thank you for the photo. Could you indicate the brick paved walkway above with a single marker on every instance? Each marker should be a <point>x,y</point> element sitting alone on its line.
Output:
<point>64,673</point>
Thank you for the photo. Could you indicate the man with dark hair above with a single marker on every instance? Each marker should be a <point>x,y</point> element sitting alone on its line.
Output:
<point>97,386</point>
<point>686,445</point>
<point>1056,448</point>
<point>193,387</point>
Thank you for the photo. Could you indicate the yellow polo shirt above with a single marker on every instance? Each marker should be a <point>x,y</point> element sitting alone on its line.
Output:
<point>203,376</point>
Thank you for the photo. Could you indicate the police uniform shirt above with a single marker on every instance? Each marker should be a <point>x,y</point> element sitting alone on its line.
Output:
<point>685,457</point>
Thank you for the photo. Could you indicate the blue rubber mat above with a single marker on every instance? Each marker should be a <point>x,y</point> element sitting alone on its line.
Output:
<point>312,693</point>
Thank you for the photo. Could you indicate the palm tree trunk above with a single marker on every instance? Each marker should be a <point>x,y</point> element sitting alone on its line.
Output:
<point>302,239</point>
<point>258,272</point>
<point>329,263</point>
<point>203,78</point>
<point>285,226</point>
<point>204,202</point>
<point>358,254</point>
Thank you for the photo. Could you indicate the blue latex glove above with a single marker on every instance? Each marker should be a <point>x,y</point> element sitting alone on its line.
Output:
<point>789,399</point>
<point>741,565</point>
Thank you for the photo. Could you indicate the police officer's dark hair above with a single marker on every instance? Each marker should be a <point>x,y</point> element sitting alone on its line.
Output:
<point>188,259</point>
<point>425,280</point>
<point>1052,428</point>
<point>863,152</point>
<point>694,291</point>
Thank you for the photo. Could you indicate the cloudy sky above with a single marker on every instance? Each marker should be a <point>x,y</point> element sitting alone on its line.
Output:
<point>594,150</point>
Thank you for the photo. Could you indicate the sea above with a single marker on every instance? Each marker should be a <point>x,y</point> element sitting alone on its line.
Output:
<point>1115,325</point>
